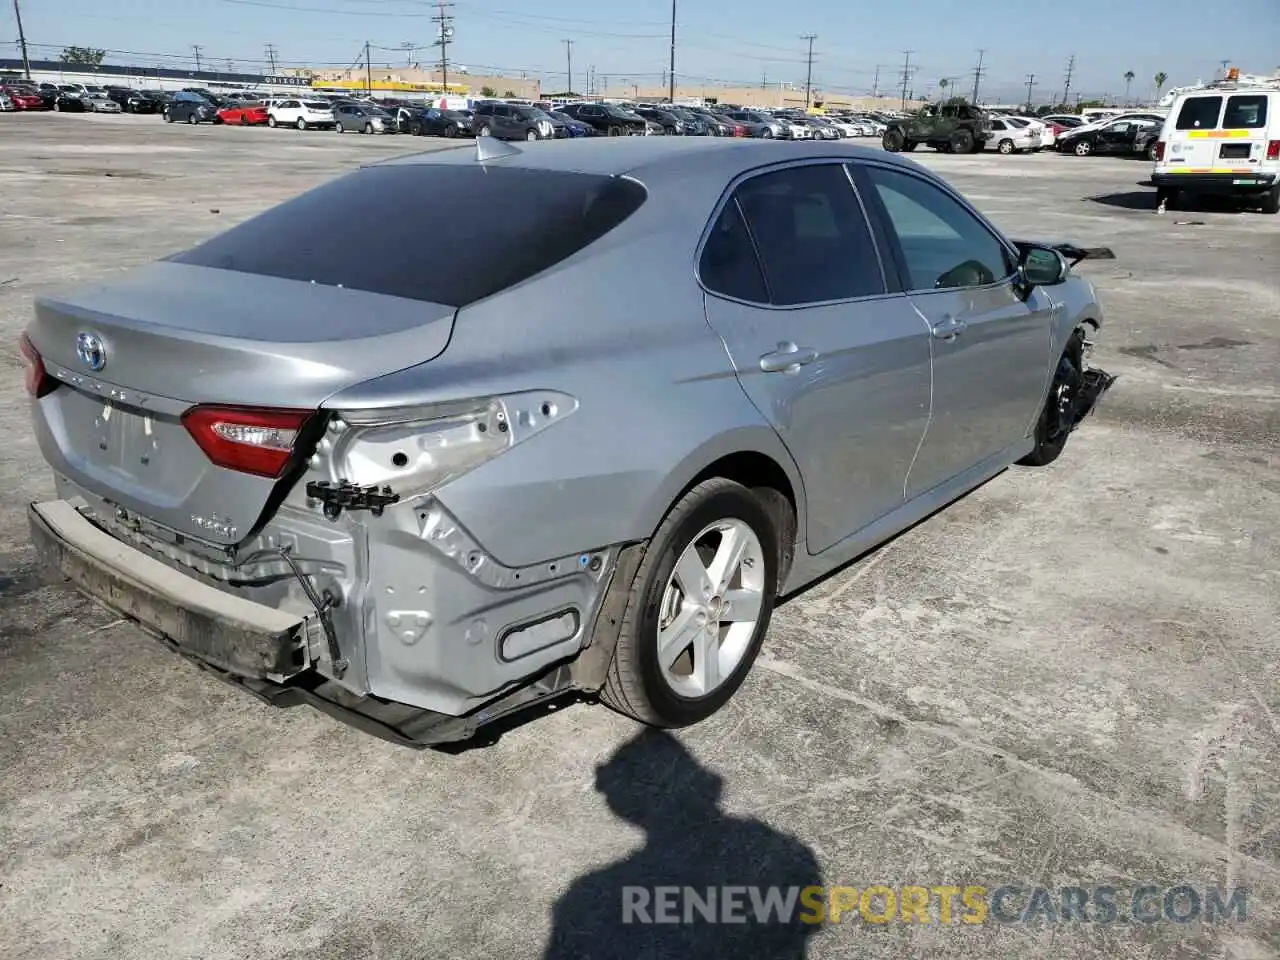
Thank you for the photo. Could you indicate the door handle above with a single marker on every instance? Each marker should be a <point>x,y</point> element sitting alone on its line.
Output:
<point>788,358</point>
<point>948,328</point>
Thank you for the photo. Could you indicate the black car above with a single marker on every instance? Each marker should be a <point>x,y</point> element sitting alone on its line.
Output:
<point>186,107</point>
<point>1135,136</point>
<point>133,101</point>
<point>433,122</point>
<point>717,126</point>
<point>671,123</point>
<point>606,119</point>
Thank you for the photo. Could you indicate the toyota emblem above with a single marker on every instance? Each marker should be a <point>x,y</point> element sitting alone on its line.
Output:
<point>90,350</point>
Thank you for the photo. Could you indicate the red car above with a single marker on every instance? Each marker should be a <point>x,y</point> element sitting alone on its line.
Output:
<point>24,98</point>
<point>245,114</point>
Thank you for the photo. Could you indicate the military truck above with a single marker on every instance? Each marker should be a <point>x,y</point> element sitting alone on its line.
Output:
<point>955,127</point>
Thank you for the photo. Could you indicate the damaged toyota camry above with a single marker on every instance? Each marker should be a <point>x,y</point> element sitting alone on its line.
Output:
<point>422,469</point>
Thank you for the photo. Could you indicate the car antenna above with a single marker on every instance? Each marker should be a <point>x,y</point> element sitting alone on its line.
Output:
<point>491,148</point>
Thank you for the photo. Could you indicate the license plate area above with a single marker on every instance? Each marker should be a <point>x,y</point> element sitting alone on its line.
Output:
<point>1235,151</point>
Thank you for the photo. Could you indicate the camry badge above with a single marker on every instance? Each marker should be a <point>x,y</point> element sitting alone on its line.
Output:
<point>90,350</point>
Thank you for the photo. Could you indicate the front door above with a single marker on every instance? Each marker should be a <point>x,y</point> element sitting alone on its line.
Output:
<point>829,354</point>
<point>990,346</point>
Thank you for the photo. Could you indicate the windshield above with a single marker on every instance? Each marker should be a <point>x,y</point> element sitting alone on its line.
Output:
<point>537,114</point>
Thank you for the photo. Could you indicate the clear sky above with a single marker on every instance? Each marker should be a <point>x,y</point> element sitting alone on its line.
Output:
<point>748,41</point>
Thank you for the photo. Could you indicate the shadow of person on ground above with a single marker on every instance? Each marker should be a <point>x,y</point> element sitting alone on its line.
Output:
<point>695,848</point>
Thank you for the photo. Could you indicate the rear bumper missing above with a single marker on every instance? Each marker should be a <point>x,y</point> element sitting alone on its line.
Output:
<point>236,635</point>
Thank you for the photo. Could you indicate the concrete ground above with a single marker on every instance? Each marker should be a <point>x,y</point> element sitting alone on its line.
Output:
<point>1067,679</point>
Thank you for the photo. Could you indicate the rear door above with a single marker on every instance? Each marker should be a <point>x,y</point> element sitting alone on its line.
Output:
<point>990,346</point>
<point>1242,140</point>
<point>1193,137</point>
<point>826,348</point>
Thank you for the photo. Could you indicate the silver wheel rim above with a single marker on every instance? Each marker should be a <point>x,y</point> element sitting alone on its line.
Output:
<point>710,608</point>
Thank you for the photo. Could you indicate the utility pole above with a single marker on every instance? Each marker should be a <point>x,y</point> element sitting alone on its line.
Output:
<point>1031,82</point>
<point>671,75</point>
<point>808,79</point>
<point>1066,90</point>
<point>977,76</point>
<point>22,41</point>
<point>445,34</point>
<point>568,52</point>
<point>875,84</point>
<point>906,77</point>
<point>197,48</point>
<point>271,57</point>
<point>368,71</point>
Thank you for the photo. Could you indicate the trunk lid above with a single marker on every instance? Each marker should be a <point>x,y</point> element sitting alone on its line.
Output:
<point>133,356</point>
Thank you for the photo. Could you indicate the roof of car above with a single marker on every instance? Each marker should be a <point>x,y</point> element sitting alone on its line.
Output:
<point>615,156</point>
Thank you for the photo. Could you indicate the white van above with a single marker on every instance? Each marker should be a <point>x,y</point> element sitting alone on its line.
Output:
<point>1223,138</point>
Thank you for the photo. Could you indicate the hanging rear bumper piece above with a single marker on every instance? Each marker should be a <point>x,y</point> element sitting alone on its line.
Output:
<point>1093,384</point>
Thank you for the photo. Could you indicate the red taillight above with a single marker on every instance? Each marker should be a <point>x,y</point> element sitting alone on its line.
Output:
<point>247,439</point>
<point>1159,150</point>
<point>34,376</point>
<point>1273,149</point>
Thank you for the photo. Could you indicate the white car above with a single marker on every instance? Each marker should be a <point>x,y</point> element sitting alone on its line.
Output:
<point>1047,138</point>
<point>1010,135</point>
<point>847,127</point>
<point>303,114</point>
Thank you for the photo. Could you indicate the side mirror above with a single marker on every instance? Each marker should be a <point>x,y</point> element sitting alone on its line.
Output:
<point>1043,267</point>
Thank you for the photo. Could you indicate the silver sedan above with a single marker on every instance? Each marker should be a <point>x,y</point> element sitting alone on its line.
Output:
<point>421,468</point>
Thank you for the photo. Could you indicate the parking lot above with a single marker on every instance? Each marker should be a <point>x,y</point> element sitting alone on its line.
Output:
<point>1068,678</point>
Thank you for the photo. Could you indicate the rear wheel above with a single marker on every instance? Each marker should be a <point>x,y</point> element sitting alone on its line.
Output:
<point>893,140</point>
<point>1271,200</point>
<point>698,607</point>
<point>1152,153</point>
<point>302,124</point>
<point>962,141</point>
<point>1083,148</point>
<point>1006,146</point>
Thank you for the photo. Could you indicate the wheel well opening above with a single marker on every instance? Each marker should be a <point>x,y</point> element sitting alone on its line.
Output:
<point>751,470</point>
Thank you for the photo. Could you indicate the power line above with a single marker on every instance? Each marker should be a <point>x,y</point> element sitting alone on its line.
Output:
<point>22,41</point>
<point>196,48</point>
<point>1031,82</point>
<point>1066,87</point>
<point>568,53</point>
<point>906,76</point>
<point>808,79</point>
<point>977,76</point>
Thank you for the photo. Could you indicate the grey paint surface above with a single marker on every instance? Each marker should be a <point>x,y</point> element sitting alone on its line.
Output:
<point>1065,677</point>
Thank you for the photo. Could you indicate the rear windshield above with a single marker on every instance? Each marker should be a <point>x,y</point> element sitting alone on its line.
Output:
<point>441,233</point>
<point>1199,113</point>
<point>1245,112</point>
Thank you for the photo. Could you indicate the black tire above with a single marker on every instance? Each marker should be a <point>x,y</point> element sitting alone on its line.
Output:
<point>1083,148</point>
<point>908,146</point>
<point>893,140</point>
<point>484,131</point>
<point>531,134</point>
<point>415,130</point>
<point>766,134</point>
<point>1006,146</point>
<point>1151,152</point>
<point>167,118</point>
<point>339,127</point>
<point>1051,433</point>
<point>962,141</point>
<point>192,118</point>
<point>634,685</point>
<point>302,124</point>
<point>451,130</point>
<point>615,132</point>
<point>1271,200</point>
<point>271,122</point>
<point>368,127</point>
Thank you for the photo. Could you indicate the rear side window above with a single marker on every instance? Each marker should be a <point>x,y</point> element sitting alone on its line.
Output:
<point>1245,112</point>
<point>813,238</point>
<point>1199,113</point>
<point>729,265</point>
<point>411,230</point>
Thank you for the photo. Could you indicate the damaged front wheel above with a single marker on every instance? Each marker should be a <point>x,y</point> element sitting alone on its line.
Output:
<point>1074,391</point>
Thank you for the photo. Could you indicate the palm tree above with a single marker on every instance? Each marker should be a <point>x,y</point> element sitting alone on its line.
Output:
<point>1160,78</point>
<point>942,89</point>
<point>1128,82</point>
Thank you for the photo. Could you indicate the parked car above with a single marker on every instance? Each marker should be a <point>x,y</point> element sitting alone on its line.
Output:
<point>133,101</point>
<point>187,107</point>
<point>949,128</point>
<point>303,114</point>
<point>822,129</point>
<point>1012,137</point>
<point>606,119</point>
<point>1131,136</point>
<point>433,517</point>
<point>363,118</point>
<point>430,121</point>
<point>69,101</point>
<point>6,104</point>
<point>96,102</point>
<point>719,125</point>
<point>672,125</point>
<point>1037,128</point>
<point>574,127</point>
<point>511,121</point>
<point>760,124</point>
<point>22,97</point>
<point>1068,120</point>
<point>246,113</point>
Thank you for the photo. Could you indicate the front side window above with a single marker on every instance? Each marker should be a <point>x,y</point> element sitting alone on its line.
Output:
<point>943,244</point>
<point>1245,112</point>
<point>813,240</point>
<point>1199,113</point>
